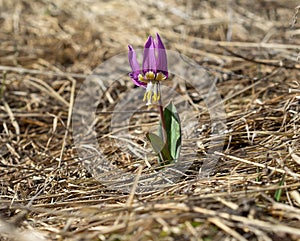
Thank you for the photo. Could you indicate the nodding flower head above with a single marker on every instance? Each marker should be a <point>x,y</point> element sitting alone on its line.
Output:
<point>154,68</point>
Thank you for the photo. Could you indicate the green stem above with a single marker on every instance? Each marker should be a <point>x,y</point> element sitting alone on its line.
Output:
<point>162,119</point>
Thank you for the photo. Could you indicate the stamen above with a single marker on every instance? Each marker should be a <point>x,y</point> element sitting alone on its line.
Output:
<point>156,92</point>
<point>149,102</point>
<point>160,76</point>
<point>152,94</point>
<point>150,75</point>
<point>148,93</point>
<point>142,79</point>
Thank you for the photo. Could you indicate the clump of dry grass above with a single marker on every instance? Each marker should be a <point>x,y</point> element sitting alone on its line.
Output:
<point>46,52</point>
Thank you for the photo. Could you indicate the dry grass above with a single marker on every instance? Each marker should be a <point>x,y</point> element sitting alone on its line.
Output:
<point>47,50</point>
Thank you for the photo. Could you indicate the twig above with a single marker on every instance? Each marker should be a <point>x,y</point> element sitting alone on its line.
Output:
<point>218,222</point>
<point>134,187</point>
<point>265,62</point>
<point>255,163</point>
<point>70,111</point>
<point>40,72</point>
<point>12,119</point>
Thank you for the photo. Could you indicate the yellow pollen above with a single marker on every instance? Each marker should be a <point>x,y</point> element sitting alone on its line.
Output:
<point>160,76</point>
<point>152,94</point>
<point>142,79</point>
<point>155,97</point>
<point>150,75</point>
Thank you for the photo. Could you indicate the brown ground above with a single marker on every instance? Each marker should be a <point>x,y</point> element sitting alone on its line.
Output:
<point>46,51</point>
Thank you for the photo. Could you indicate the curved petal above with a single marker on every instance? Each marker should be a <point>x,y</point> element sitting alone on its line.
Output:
<point>149,60</point>
<point>133,61</point>
<point>162,63</point>
<point>136,81</point>
<point>135,67</point>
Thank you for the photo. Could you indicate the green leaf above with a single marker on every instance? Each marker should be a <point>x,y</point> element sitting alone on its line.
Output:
<point>278,192</point>
<point>159,147</point>
<point>156,142</point>
<point>173,130</point>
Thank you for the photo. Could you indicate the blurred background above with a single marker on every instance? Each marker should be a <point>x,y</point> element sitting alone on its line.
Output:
<point>78,35</point>
<point>250,48</point>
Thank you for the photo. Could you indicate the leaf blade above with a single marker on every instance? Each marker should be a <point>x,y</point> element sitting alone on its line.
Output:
<point>173,130</point>
<point>159,147</point>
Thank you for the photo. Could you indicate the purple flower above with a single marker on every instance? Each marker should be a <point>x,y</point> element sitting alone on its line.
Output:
<point>154,68</point>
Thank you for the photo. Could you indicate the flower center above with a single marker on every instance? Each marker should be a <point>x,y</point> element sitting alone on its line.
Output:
<point>152,94</point>
<point>150,76</point>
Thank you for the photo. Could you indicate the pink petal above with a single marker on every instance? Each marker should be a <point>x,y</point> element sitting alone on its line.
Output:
<point>162,63</point>
<point>149,61</point>
<point>135,67</point>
